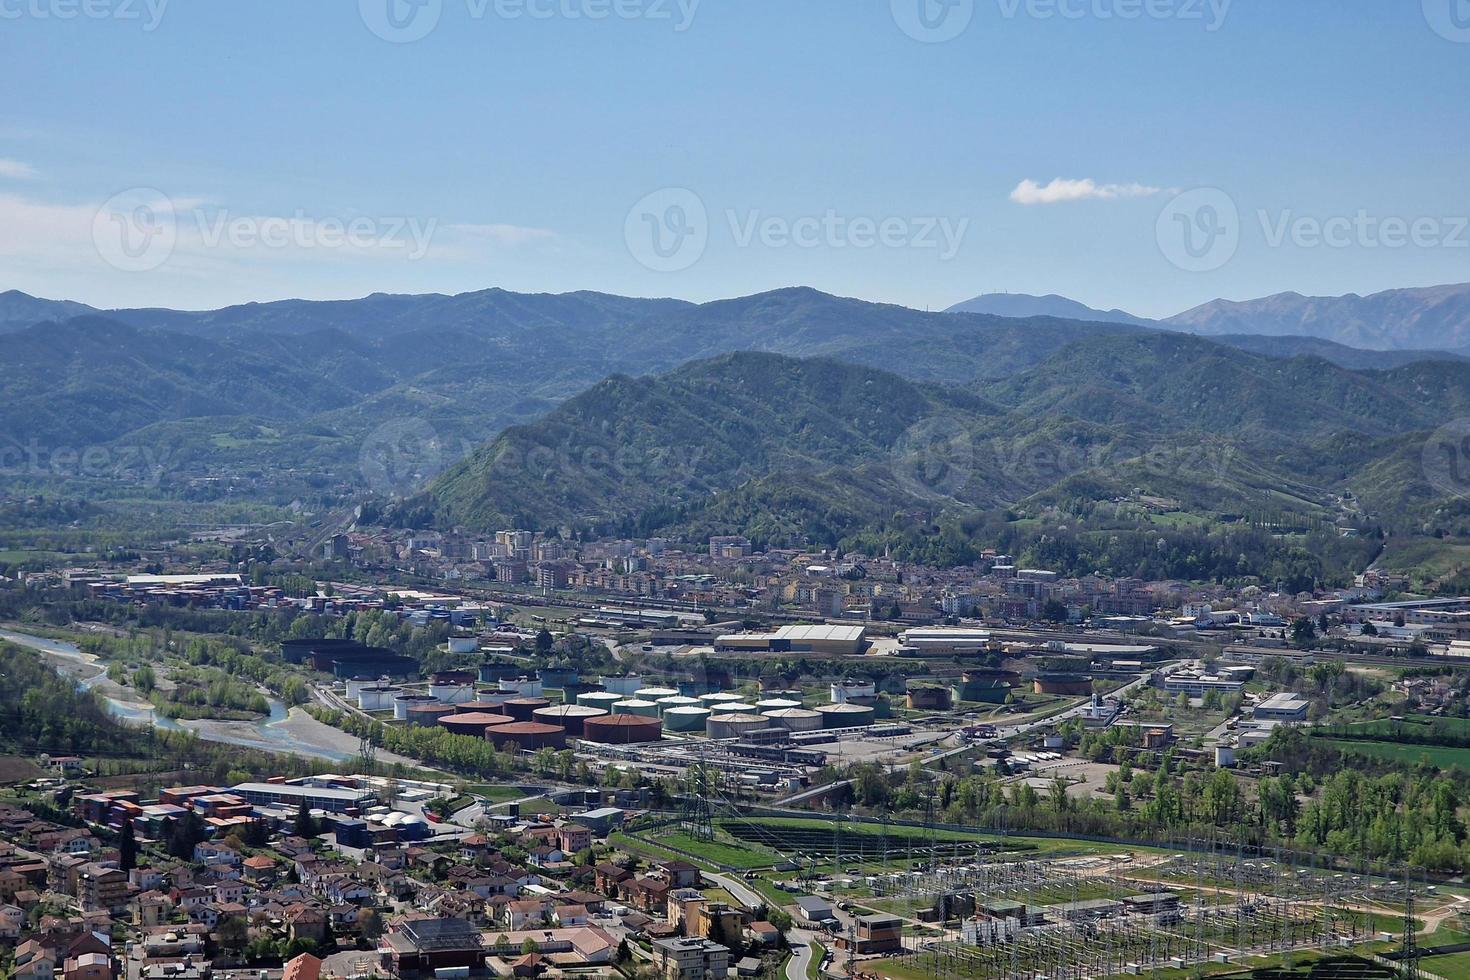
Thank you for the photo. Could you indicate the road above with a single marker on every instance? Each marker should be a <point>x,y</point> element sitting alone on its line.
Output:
<point>800,940</point>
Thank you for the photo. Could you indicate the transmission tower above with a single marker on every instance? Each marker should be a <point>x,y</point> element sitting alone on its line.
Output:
<point>367,747</point>
<point>1411,954</point>
<point>698,821</point>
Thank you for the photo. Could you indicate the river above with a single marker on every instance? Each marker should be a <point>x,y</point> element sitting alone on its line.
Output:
<point>281,731</point>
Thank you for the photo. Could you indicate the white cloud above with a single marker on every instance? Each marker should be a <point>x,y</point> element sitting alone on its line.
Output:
<point>15,170</point>
<point>499,234</point>
<point>1062,190</point>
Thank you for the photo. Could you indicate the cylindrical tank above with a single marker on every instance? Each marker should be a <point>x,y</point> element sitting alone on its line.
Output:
<point>599,699</point>
<point>985,686</point>
<point>572,717</point>
<point>655,693</point>
<point>1071,685</point>
<point>473,723</point>
<point>428,715</point>
<point>636,706</point>
<point>718,699</point>
<point>356,684</point>
<point>794,719</point>
<point>665,705</point>
<point>846,691</point>
<point>768,705</point>
<point>733,725</point>
<point>623,686</point>
<point>558,676</point>
<point>485,706</point>
<point>522,709</point>
<point>622,729</point>
<point>930,698</point>
<point>377,698</point>
<point>452,691</point>
<point>846,715</point>
<point>521,687</point>
<point>528,735</point>
<point>403,702</point>
<point>686,718</point>
<point>737,708</point>
<point>494,672</point>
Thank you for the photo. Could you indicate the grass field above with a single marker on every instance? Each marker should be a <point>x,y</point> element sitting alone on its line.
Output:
<point>1443,757</point>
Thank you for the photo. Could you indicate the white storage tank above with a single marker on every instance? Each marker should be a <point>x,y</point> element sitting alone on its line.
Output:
<point>521,687</point>
<point>776,704</point>
<point>453,692</point>
<point>734,725</point>
<point>795,719</point>
<point>665,705</point>
<point>599,699</point>
<point>624,686</point>
<point>846,715</point>
<point>403,702</point>
<point>636,706</point>
<point>377,698</point>
<point>356,684</point>
<point>847,691</point>
<point>655,693</point>
<point>719,699</point>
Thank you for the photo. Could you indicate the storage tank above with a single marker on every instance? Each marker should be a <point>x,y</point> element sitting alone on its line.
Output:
<point>622,729</point>
<point>775,704</point>
<point>559,676</point>
<point>493,706</point>
<point>599,699</point>
<point>719,698</point>
<point>734,724</point>
<point>473,723</point>
<point>853,691</point>
<point>930,697</point>
<point>737,708</point>
<point>794,719</point>
<point>677,701</point>
<point>686,718</point>
<point>655,693</point>
<point>452,691</point>
<point>403,702</point>
<point>622,686</point>
<point>528,735</point>
<point>356,684</point>
<point>985,686</point>
<point>494,672</point>
<point>572,717</point>
<point>377,698</point>
<point>521,687</point>
<point>428,715</point>
<point>846,715</point>
<point>636,706</point>
<point>1071,685</point>
<point>522,709</point>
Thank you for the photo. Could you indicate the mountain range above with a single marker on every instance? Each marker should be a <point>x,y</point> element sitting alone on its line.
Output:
<point>794,416</point>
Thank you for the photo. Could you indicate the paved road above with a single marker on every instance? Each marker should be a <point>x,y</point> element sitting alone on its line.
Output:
<point>801,940</point>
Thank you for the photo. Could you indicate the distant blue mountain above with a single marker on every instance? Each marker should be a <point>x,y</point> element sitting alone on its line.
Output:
<point>1026,305</point>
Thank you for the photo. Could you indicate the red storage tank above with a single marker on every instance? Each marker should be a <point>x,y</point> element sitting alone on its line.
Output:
<point>474,723</point>
<point>529,735</point>
<point>569,716</point>
<point>622,729</point>
<point>524,709</point>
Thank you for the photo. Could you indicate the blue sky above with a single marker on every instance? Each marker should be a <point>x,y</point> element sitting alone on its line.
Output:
<point>824,145</point>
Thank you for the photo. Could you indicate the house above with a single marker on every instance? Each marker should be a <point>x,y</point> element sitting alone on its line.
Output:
<point>305,922</point>
<point>648,893</point>
<point>33,962</point>
<point>102,888</point>
<point>303,967</point>
<point>258,869</point>
<point>151,909</point>
<point>681,874</point>
<point>610,879</point>
<point>691,959</point>
<point>209,852</point>
<point>12,918</point>
<point>424,944</point>
<point>88,966</point>
<point>524,913</point>
<point>573,837</point>
<point>763,933</point>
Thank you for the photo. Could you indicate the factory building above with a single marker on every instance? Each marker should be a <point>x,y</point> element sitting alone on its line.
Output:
<point>289,795</point>
<point>840,640</point>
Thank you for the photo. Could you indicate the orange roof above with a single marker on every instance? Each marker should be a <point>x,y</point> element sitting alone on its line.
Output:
<point>303,967</point>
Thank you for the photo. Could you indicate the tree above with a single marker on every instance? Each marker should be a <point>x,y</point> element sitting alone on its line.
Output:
<point>544,641</point>
<point>234,932</point>
<point>370,923</point>
<point>529,946</point>
<point>305,826</point>
<point>127,847</point>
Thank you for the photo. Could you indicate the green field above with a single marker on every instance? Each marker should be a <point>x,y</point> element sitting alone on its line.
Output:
<point>1443,757</point>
